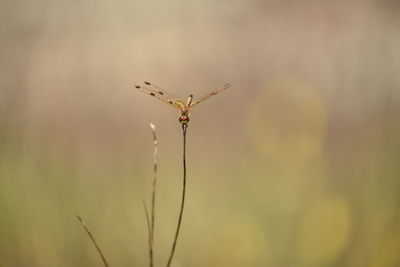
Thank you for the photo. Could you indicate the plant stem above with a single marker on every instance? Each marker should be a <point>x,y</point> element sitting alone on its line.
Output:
<point>153,197</point>
<point>93,241</point>
<point>149,232</point>
<point>184,127</point>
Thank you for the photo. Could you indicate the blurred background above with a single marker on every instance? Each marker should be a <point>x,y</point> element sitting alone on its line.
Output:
<point>297,164</point>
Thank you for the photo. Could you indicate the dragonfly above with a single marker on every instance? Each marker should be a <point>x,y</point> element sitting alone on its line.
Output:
<point>184,107</point>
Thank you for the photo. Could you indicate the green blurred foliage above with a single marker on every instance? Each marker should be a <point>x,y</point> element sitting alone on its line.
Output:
<point>297,164</point>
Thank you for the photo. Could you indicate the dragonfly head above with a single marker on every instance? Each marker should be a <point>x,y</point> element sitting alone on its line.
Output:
<point>184,118</point>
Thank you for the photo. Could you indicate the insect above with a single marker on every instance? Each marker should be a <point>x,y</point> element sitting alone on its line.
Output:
<point>183,107</point>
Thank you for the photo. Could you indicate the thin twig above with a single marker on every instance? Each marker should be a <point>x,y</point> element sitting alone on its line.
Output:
<point>148,221</point>
<point>153,196</point>
<point>184,127</point>
<point>93,241</point>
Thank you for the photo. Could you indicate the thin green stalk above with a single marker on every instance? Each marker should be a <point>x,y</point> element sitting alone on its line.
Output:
<point>184,127</point>
<point>153,197</point>
<point>149,231</point>
<point>151,222</point>
<point>93,241</point>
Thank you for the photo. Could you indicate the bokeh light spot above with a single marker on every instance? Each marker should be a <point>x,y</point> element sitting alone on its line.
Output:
<point>323,232</point>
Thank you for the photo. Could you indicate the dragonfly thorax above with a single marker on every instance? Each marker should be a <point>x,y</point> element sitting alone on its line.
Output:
<point>189,100</point>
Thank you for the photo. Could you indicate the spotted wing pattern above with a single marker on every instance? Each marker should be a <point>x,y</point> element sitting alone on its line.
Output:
<point>160,91</point>
<point>159,94</point>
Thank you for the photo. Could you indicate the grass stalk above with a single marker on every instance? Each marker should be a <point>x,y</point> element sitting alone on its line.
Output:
<point>149,233</point>
<point>153,198</point>
<point>93,241</point>
<point>184,127</point>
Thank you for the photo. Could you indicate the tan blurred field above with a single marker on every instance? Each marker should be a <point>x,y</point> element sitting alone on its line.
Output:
<point>298,164</point>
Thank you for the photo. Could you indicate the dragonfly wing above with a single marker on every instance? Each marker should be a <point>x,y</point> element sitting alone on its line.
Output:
<point>160,96</point>
<point>160,91</point>
<point>226,86</point>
